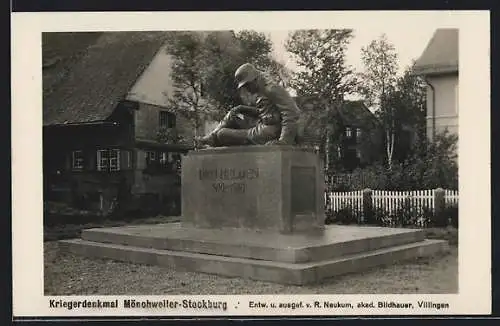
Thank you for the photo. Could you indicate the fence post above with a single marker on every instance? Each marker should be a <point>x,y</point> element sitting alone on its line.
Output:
<point>367,206</point>
<point>439,206</point>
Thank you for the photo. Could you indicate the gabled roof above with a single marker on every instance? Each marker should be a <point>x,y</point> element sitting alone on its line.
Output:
<point>100,78</point>
<point>352,113</point>
<point>357,114</point>
<point>440,55</point>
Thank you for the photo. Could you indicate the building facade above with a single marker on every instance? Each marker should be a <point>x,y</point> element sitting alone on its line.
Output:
<point>438,64</point>
<point>110,137</point>
<point>354,136</point>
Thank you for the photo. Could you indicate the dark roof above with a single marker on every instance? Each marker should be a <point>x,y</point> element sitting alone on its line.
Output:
<point>92,86</point>
<point>440,55</point>
<point>353,113</point>
<point>357,114</point>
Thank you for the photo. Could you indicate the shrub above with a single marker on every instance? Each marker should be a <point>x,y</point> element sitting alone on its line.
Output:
<point>449,216</point>
<point>429,166</point>
<point>407,214</point>
<point>452,212</point>
<point>348,214</point>
<point>427,216</point>
<point>329,216</point>
<point>380,217</point>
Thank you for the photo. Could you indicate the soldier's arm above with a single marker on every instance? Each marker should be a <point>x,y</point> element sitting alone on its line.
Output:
<point>247,110</point>
<point>289,113</point>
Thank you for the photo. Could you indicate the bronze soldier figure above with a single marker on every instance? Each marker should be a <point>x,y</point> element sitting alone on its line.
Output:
<point>274,119</point>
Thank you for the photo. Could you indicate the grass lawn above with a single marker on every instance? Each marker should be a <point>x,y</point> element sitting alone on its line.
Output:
<point>68,274</point>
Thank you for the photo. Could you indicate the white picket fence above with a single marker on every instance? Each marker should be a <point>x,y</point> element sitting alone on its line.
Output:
<point>390,201</point>
<point>451,197</point>
<point>339,200</point>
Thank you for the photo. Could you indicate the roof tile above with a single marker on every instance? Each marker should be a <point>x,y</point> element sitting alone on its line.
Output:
<point>441,54</point>
<point>92,87</point>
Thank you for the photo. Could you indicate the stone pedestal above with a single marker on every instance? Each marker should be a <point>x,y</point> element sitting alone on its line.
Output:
<point>255,212</point>
<point>272,188</point>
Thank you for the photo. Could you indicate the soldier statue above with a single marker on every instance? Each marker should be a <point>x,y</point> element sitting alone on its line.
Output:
<point>272,121</point>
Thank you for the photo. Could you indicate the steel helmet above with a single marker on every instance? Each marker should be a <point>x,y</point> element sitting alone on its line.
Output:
<point>245,74</point>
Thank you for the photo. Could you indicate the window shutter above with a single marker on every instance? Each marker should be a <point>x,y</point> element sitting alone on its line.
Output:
<point>126,160</point>
<point>123,160</point>
<point>141,159</point>
<point>67,161</point>
<point>98,160</point>
<point>171,120</point>
<point>91,160</point>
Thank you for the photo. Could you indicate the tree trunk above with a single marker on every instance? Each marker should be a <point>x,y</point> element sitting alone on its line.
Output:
<point>389,137</point>
<point>328,149</point>
<point>196,122</point>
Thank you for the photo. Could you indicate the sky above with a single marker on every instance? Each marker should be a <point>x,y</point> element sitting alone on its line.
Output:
<point>409,44</point>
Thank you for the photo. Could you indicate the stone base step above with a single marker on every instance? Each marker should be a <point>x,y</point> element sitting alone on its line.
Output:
<point>263,270</point>
<point>336,241</point>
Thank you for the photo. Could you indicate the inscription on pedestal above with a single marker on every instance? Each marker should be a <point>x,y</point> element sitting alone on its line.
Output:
<point>303,190</point>
<point>228,180</point>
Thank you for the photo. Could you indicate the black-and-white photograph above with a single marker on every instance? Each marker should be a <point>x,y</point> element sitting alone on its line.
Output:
<point>255,161</point>
<point>232,162</point>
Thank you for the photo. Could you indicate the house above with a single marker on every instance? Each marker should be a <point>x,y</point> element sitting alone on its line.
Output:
<point>362,140</point>
<point>438,64</point>
<point>108,132</point>
<point>355,137</point>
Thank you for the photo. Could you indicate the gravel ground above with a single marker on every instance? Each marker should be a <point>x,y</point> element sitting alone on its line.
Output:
<point>67,274</point>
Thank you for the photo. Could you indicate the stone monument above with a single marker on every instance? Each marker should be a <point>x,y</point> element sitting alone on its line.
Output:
<point>255,212</point>
<point>255,209</point>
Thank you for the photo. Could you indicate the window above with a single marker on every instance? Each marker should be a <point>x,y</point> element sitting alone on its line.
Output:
<point>77,160</point>
<point>339,151</point>
<point>108,160</point>
<point>358,153</point>
<point>348,132</point>
<point>167,119</point>
<point>358,133</point>
<point>150,158</point>
<point>102,160</point>
<point>114,160</point>
<point>164,159</point>
<point>159,161</point>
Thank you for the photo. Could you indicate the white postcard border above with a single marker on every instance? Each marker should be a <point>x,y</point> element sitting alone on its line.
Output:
<point>474,160</point>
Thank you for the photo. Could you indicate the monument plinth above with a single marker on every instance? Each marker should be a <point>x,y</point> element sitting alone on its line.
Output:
<point>255,212</point>
<point>272,188</point>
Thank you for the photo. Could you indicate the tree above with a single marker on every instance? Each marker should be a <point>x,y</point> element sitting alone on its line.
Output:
<point>323,75</point>
<point>225,55</point>
<point>187,50</point>
<point>203,69</point>
<point>221,49</point>
<point>434,163</point>
<point>409,102</point>
<point>378,81</point>
<point>255,47</point>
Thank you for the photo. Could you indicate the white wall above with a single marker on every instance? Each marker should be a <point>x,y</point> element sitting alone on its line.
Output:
<point>446,101</point>
<point>155,85</point>
<point>154,82</point>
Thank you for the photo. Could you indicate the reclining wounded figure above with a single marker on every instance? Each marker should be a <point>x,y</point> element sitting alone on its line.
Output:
<point>274,119</point>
